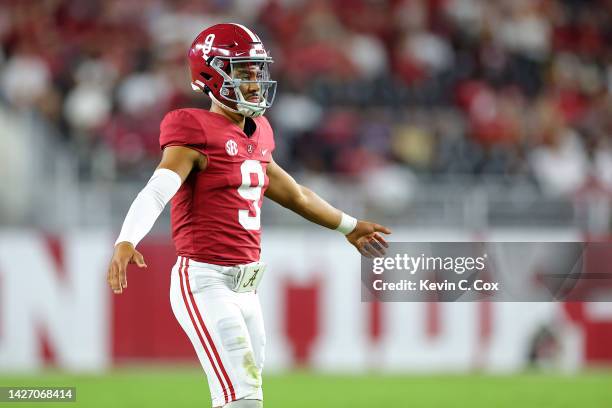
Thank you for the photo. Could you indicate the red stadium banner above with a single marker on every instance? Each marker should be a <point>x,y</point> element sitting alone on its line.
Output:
<point>56,308</point>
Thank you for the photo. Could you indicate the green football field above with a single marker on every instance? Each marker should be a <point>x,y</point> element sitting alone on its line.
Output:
<point>186,387</point>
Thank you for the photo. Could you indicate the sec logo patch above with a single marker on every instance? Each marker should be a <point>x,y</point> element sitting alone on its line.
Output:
<point>231,147</point>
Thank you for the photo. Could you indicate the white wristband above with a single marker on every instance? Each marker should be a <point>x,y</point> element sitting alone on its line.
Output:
<point>347,224</point>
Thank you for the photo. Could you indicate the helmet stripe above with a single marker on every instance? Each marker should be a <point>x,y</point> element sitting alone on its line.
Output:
<point>249,32</point>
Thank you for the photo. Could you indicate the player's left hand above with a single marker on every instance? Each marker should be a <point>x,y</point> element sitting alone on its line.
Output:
<point>367,239</point>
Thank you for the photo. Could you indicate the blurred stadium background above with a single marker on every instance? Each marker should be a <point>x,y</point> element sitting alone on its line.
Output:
<point>448,120</point>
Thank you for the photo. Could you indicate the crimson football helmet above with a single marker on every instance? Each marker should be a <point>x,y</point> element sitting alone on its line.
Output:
<point>225,57</point>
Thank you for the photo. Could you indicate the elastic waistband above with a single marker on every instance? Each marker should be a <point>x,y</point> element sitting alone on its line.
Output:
<point>226,270</point>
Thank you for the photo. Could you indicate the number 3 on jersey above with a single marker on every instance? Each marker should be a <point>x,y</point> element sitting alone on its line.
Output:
<point>251,193</point>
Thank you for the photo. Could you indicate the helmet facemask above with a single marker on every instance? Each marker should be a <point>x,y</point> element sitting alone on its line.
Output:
<point>246,84</point>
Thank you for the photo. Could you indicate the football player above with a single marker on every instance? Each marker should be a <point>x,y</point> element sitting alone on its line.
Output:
<point>216,167</point>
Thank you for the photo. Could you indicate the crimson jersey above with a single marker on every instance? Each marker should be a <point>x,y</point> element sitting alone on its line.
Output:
<point>216,212</point>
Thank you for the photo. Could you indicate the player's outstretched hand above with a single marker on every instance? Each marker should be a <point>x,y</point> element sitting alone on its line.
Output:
<point>124,254</point>
<point>367,239</point>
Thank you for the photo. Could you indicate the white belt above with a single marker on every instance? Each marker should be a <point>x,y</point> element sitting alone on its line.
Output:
<point>245,277</point>
<point>226,270</point>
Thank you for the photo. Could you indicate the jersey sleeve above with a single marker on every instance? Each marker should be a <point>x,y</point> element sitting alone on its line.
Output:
<point>181,128</point>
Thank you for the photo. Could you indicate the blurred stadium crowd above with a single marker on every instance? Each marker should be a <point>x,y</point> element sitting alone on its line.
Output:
<point>519,89</point>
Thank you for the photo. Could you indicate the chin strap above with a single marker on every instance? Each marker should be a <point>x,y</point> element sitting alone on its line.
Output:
<point>242,109</point>
<point>245,108</point>
<point>249,112</point>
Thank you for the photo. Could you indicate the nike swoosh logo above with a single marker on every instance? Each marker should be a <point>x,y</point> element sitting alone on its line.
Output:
<point>264,151</point>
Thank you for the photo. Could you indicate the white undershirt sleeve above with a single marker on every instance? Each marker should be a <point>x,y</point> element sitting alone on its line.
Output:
<point>148,205</point>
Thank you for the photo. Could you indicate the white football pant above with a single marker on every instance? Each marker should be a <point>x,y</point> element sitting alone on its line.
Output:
<point>225,328</point>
